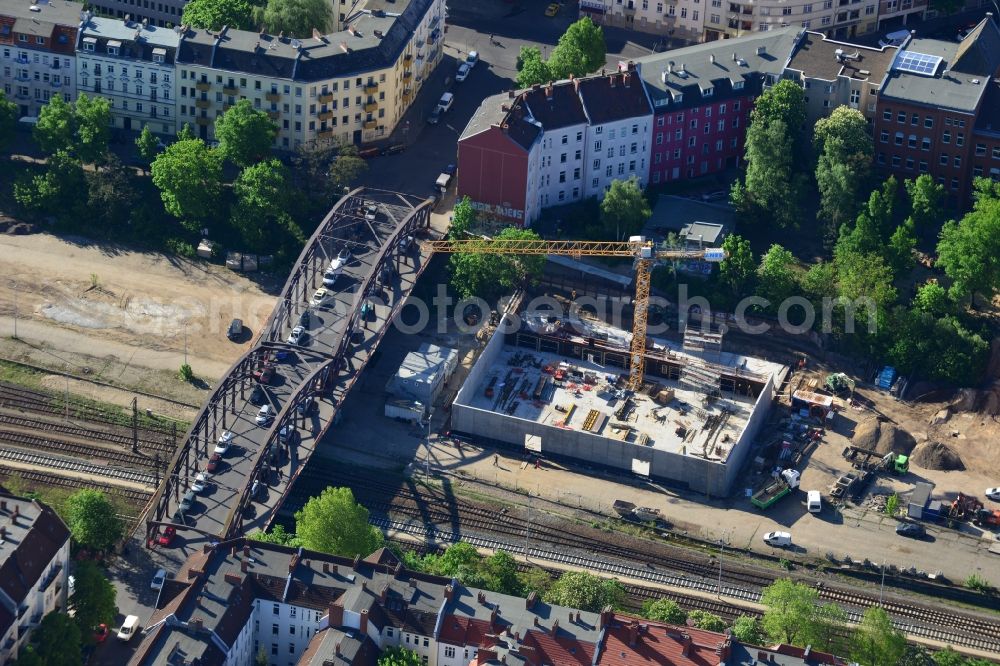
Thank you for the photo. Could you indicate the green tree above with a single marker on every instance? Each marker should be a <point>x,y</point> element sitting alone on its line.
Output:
<point>580,51</point>
<point>277,535</point>
<point>189,177</point>
<point>461,561</point>
<point>899,251</point>
<point>261,210</point>
<point>334,523</point>
<point>820,281</point>
<point>847,125</point>
<point>892,505</point>
<point>535,579</point>
<point>499,572</point>
<point>213,14</point>
<point>775,276</point>
<point>296,18</point>
<point>707,621</point>
<point>56,128</point>
<point>111,194</point>
<point>748,629</point>
<point>399,656</point>
<point>916,655</point>
<point>488,275</point>
<point>245,134</point>
<point>262,658</point>
<point>663,610</point>
<point>876,641</point>
<point>61,190</point>
<point>873,226</point>
<point>532,68</point>
<point>8,121</point>
<point>827,630</point>
<point>784,101</point>
<point>866,276</point>
<point>933,299</point>
<point>462,218</point>
<point>926,202</point>
<point>57,641</point>
<point>791,611</point>
<point>147,144</point>
<point>935,347</point>
<point>92,116</point>
<point>347,167</point>
<point>584,590</point>
<point>738,269</point>
<point>844,152</point>
<point>93,520</point>
<point>185,132</point>
<point>969,251</point>
<point>624,209</point>
<point>948,657</point>
<point>93,600</point>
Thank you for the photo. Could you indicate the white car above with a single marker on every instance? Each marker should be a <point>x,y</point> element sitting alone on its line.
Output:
<point>296,336</point>
<point>265,416</point>
<point>463,72</point>
<point>158,579</point>
<point>371,211</point>
<point>993,494</point>
<point>472,59</point>
<point>200,481</point>
<point>333,272</point>
<point>778,539</point>
<point>225,441</point>
<point>320,297</point>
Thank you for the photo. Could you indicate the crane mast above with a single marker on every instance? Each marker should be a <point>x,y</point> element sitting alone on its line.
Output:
<point>643,251</point>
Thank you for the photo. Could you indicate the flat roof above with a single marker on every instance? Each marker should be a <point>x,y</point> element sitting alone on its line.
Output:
<point>685,425</point>
<point>816,57</point>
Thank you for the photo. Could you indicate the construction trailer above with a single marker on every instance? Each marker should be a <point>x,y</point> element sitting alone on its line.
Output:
<point>423,374</point>
<point>916,506</point>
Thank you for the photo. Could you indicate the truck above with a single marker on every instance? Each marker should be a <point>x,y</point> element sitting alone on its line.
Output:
<point>873,461</point>
<point>774,490</point>
<point>986,518</point>
<point>630,511</point>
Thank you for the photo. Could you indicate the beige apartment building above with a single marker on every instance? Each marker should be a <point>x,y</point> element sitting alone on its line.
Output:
<point>352,85</point>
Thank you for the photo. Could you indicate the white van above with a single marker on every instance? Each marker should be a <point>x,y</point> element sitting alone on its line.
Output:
<point>129,628</point>
<point>814,503</point>
<point>447,100</point>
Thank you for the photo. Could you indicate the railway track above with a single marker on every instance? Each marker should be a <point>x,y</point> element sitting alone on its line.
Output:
<point>133,496</point>
<point>54,462</point>
<point>24,440</point>
<point>158,444</point>
<point>678,570</point>
<point>43,402</point>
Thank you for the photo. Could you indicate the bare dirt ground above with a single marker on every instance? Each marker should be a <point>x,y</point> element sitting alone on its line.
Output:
<point>121,315</point>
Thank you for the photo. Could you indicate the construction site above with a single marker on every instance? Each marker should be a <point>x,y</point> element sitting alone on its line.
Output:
<point>561,389</point>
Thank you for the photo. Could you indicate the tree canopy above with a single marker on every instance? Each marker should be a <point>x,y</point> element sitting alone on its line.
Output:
<point>876,641</point>
<point>8,121</point>
<point>738,269</point>
<point>296,18</point>
<point>663,610</point>
<point>245,134</point>
<point>112,195</point>
<point>93,520</point>
<point>792,614</point>
<point>775,276</point>
<point>189,177</point>
<point>488,275</point>
<point>926,202</point>
<point>399,656</point>
<point>261,210</point>
<point>584,590</point>
<point>707,621</point>
<point>57,641</point>
<point>624,209</point>
<point>748,629</point>
<point>93,599</point>
<point>60,190</point>
<point>844,152</point>
<point>580,51</point>
<point>969,250</point>
<point>55,129</point>
<point>333,522</point>
<point>81,128</point>
<point>147,144</point>
<point>532,68</point>
<point>213,14</point>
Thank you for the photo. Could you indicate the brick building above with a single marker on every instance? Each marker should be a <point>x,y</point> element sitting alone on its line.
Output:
<point>936,111</point>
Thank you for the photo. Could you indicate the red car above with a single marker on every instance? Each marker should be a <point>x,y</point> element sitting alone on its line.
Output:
<point>214,462</point>
<point>101,633</point>
<point>166,536</point>
<point>264,374</point>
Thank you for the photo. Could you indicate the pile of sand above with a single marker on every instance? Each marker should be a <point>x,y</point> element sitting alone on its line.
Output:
<point>937,456</point>
<point>876,435</point>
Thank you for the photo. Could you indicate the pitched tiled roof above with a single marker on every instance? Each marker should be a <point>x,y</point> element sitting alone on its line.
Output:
<point>631,641</point>
<point>555,106</point>
<point>615,96</point>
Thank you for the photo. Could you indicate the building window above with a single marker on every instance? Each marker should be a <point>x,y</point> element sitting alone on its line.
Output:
<point>960,139</point>
<point>957,161</point>
<point>928,122</point>
<point>276,609</point>
<point>923,166</point>
<point>954,183</point>
<point>899,138</point>
<point>901,117</point>
<point>909,164</point>
<point>914,119</point>
<point>943,159</point>
<point>449,652</point>
<point>887,115</point>
<point>946,137</point>
<point>881,158</point>
<point>895,160</point>
<point>884,136</point>
<point>912,141</point>
<point>925,144</point>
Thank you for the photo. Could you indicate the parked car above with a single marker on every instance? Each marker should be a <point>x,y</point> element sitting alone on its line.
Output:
<point>158,579</point>
<point>463,72</point>
<point>993,494</point>
<point>778,539</point>
<point>304,318</point>
<point>394,148</point>
<point>167,536</point>
<point>265,373</point>
<point>235,329</point>
<point>435,116</point>
<point>320,297</point>
<point>447,99</point>
<point>451,169</point>
<point>552,9</point>
<point>200,482</point>
<point>307,406</point>
<point>186,502</point>
<point>214,463</point>
<point>131,624</point>
<point>265,416</point>
<point>911,530</point>
<point>257,396</point>
<point>472,59</point>
<point>405,243</point>
<point>371,211</point>
<point>225,441</point>
<point>297,336</point>
<point>256,490</point>
<point>101,633</point>
<point>366,310</point>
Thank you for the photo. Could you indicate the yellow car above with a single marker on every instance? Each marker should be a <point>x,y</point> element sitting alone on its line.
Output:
<point>553,9</point>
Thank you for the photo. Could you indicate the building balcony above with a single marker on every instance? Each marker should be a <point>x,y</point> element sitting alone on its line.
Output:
<point>55,64</point>
<point>326,115</point>
<point>203,122</point>
<point>273,97</point>
<point>370,88</point>
<point>274,115</point>
<point>231,91</point>
<point>203,86</point>
<point>56,82</point>
<point>226,107</point>
<point>370,107</point>
<point>407,93</point>
<point>370,124</point>
<point>22,61</point>
<point>326,99</point>
<point>22,77</point>
<point>326,134</point>
<point>407,58</point>
<point>407,74</point>
<point>202,103</point>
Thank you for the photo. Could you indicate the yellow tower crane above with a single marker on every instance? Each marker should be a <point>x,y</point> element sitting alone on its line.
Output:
<point>641,250</point>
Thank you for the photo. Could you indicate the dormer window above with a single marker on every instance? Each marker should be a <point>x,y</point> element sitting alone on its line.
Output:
<point>707,92</point>
<point>159,55</point>
<point>678,97</point>
<point>112,50</point>
<point>114,46</point>
<point>737,85</point>
<point>89,43</point>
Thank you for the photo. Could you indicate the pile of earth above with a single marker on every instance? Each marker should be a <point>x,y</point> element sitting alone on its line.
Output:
<point>937,456</point>
<point>881,437</point>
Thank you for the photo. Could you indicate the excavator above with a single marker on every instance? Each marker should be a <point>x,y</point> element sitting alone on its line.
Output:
<point>643,251</point>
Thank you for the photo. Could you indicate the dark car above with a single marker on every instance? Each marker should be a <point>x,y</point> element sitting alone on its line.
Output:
<point>264,374</point>
<point>451,169</point>
<point>307,406</point>
<point>912,530</point>
<point>214,462</point>
<point>257,396</point>
<point>188,500</point>
<point>435,116</point>
<point>394,148</point>
<point>304,318</point>
<point>235,329</point>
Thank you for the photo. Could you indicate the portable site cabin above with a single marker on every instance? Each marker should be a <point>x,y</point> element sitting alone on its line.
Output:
<point>919,498</point>
<point>423,373</point>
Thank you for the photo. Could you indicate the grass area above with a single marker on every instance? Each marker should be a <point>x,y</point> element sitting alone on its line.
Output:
<point>85,408</point>
<point>56,496</point>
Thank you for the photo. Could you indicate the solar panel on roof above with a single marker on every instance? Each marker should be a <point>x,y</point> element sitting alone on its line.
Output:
<point>918,63</point>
